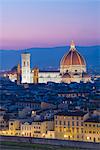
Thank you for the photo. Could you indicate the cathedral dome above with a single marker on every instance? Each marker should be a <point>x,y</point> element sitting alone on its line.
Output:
<point>72,57</point>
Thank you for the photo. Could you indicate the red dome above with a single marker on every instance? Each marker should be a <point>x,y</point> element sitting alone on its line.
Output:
<point>73,57</point>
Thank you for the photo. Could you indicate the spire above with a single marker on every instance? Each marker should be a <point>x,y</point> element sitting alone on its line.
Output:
<point>72,46</point>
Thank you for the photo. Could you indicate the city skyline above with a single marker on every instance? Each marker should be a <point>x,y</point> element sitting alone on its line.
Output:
<point>41,23</point>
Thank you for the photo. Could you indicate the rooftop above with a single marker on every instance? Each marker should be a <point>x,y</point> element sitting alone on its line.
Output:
<point>72,113</point>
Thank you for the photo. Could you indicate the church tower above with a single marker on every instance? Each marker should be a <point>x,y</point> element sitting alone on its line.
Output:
<point>26,68</point>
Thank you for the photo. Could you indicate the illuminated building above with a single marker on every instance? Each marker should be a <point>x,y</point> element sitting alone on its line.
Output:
<point>69,125</point>
<point>92,129</point>
<point>14,127</point>
<point>37,128</point>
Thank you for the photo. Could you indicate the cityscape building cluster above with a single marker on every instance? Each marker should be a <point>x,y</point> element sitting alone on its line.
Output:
<point>52,110</point>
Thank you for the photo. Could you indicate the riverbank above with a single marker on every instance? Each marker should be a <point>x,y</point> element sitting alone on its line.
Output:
<point>46,144</point>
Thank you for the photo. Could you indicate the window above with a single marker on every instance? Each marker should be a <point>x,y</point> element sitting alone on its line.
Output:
<point>82,130</point>
<point>64,123</point>
<point>69,137</point>
<point>77,123</point>
<point>11,123</point>
<point>68,124</point>
<point>56,122</point>
<point>72,123</point>
<point>77,136</point>
<point>98,125</point>
<point>93,131</point>
<point>60,122</point>
<point>89,125</point>
<point>77,129</point>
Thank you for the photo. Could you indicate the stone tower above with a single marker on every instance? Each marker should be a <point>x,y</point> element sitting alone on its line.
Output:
<point>26,68</point>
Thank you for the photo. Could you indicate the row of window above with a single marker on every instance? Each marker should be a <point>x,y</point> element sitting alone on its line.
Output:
<point>93,132</point>
<point>93,138</point>
<point>26,63</point>
<point>72,137</point>
<point>73,118</point>
<point>29,104</point>
<point>29,128</point>
<point>92,125</point>
<point>26,128</point>
<point>69,130</point>
<point>69,123</point>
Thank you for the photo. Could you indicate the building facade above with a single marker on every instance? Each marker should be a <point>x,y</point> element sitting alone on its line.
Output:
<point>69,125</point>
<point>92,129</point>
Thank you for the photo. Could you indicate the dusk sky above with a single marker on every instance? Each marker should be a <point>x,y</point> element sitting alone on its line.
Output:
<point>48,23</point>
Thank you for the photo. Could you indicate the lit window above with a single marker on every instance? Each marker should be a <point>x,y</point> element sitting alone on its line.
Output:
<point>88,138</point>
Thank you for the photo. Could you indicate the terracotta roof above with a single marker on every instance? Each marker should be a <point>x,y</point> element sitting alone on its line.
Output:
<point>73,57</point>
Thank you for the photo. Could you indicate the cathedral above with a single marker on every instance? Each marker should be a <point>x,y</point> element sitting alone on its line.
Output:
<point>72,69</point>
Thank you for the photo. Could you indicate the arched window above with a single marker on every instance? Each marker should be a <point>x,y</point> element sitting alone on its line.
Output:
<point>24,63</point>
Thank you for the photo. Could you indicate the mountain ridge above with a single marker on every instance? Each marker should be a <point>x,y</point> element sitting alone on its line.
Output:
<point>48,57</point>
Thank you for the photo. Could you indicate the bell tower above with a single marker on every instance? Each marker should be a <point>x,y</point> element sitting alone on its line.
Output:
<point>26,68</point>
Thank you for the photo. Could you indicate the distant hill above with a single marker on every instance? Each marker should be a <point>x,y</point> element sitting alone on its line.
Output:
<point>48,57</point>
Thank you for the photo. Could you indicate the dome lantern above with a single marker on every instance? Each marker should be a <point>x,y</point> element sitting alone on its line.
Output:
<point>72,46</point>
